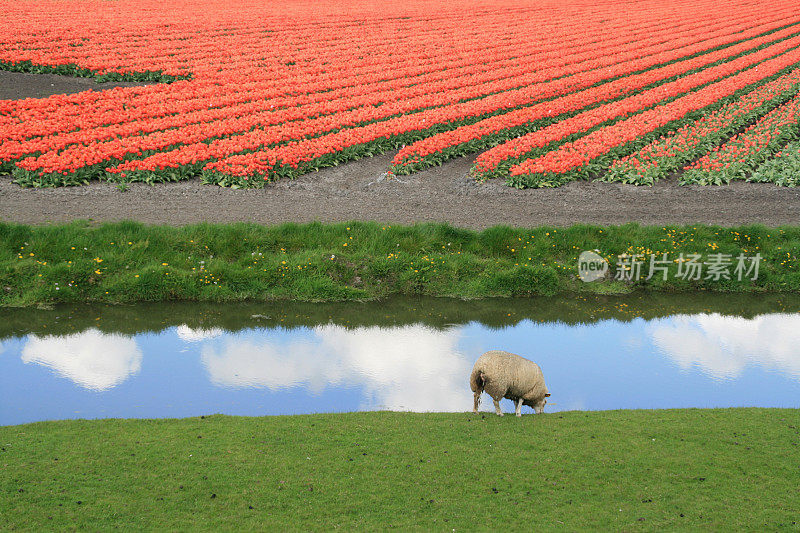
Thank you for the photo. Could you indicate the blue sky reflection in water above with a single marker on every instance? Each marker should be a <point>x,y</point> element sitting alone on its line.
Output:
<point>701,360</point>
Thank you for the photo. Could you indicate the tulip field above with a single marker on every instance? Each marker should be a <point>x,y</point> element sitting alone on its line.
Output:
<point>542,92</point>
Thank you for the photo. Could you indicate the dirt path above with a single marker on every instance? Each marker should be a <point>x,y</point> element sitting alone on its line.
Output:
<point>444,193</point>
<point>18,85</point>
<point>356,191</point>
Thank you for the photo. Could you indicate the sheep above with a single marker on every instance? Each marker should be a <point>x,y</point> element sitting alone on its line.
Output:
<point>507,375</point>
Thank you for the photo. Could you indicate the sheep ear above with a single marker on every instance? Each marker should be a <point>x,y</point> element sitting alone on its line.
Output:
<point>546,395</point>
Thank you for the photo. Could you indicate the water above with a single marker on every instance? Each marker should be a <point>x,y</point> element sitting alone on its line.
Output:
<point>177,360</point>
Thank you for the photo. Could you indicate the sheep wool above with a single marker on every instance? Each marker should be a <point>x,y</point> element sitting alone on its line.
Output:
<point>507,375</point>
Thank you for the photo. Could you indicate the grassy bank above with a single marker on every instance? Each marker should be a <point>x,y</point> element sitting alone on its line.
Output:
<point>726,469</point>
<point>125,262</point>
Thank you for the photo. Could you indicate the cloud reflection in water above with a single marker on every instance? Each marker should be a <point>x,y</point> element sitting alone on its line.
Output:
<point>722,346</point>
<point>413,368</point>
<point>92,359</point>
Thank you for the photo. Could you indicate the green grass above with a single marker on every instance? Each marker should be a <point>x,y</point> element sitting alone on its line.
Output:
<point>129,262</point>
<point>715,470</point>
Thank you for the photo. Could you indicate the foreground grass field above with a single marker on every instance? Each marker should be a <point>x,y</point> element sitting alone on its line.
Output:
<point>128,261</point>
<point>721,469</point>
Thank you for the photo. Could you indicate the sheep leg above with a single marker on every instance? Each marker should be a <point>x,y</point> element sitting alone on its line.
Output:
<point>519,406</point>
<point>497,407</point>
<point>477,402</point>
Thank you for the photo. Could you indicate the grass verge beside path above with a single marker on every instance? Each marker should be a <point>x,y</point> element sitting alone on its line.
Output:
<point>128,261</point>
<point>689,469</point>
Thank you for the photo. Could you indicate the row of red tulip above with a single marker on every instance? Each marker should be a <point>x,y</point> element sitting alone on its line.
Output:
<point>312,79</point>
<point>435,145</point>
<point>742,154</point>
<point>304,151</point>
<point>670,152</point>
<point>263,111</point>
<point>268,97</point>
<point>566,162</point>
<point>513,150</point>
<point>782,169</point>
<point>203,151</point>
